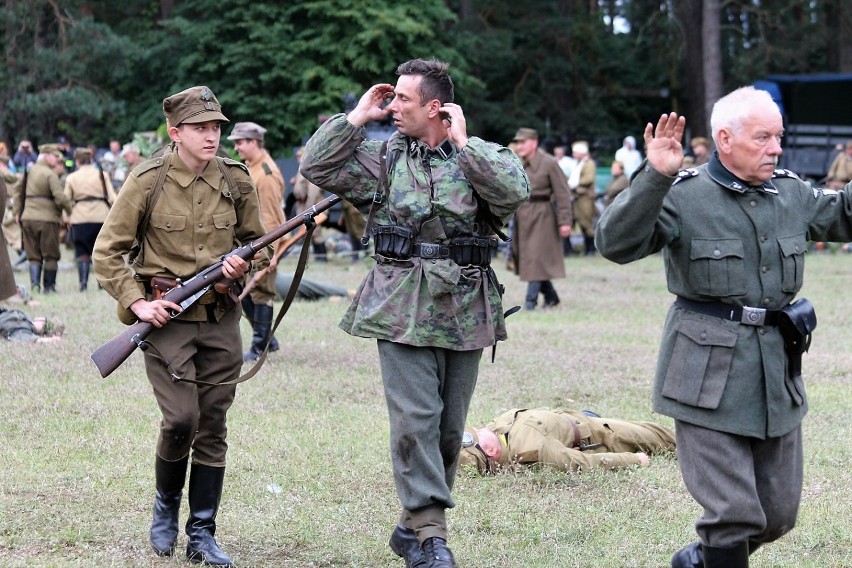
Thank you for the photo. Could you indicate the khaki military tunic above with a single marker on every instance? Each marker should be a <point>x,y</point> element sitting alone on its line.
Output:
<point>45,200</point>
<point>192,225</point>
<point>584,197</point>
<point>86,191</point>
<point>555,438</point>
<point>7,277</point>
<point>269,183</point>
<point>307,195</point>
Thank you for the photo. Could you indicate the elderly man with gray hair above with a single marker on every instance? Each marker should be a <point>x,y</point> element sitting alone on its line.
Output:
<point>734,234</point>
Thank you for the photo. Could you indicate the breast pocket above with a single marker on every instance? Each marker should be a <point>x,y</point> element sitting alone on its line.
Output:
<point>716,267</point>
<point>793,251</point>
<point>700,364</point>
<point>225,220</point>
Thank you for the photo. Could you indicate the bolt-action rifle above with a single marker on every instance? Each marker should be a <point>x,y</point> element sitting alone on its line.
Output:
<point>114,352</point>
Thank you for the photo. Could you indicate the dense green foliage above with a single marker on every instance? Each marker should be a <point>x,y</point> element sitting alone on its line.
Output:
<point>95,69</point>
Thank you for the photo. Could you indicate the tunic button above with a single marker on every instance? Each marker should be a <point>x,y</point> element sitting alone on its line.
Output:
<point>797,248</point>
<point>761,331</point>
<point>763,239</point>
<point>199,202</point>
<point>703,335</point>
<point>200,247</point>
<point>200,225</point>
<point>753,203</point>
<point>765,301</point>
<point>764,269</point>
<point>717,252</point>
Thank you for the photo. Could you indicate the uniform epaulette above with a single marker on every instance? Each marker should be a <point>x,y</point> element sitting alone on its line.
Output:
<point>685,174</point>
<point>151,164</point>
<point>782,173</point>
<point>266,169</point>
<point>234,163</point>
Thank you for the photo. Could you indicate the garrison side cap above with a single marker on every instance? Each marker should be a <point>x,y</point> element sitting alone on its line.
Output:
<point>247,131</point>
<point>194,105</point>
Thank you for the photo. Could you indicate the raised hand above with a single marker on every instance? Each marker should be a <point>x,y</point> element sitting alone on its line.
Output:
<point>456,124</point>
<point>369,107</point>
<point>663,143</point>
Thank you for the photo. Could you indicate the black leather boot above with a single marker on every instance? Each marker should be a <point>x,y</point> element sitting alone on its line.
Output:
<point>437,553</point>
<point>261,324</point>
<point>404,544</point>
<point>590,246</point>
<point>205,491</point>
<point>736,557</point>
<point>164,526</point>
<point>690,556</point>
<point>320,252</point>
<point>35,277</point>
<point>83,268</point>
<point>49,281</point>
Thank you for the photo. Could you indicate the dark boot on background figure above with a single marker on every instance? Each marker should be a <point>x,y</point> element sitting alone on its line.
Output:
<point>320,252</point>
<point>205,492</point>
<point>590,246</point>
<point>533,290</point>
<point>248,312</point>
<point>735,557</point>
<point>35,276</point>
<point>171,477</point>
<point>84,265</point>
<point>49,281</point>
<point>264,313</point>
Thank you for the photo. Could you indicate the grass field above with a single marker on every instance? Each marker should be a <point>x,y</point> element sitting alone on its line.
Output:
<point>308,482</point>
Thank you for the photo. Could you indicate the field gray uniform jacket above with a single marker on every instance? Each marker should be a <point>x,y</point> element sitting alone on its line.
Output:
<point>725,241</point>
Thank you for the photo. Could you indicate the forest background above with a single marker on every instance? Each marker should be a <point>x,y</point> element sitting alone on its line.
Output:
<point>574,69</point>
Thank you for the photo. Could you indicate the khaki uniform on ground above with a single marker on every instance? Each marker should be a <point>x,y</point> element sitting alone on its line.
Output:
<point>570,441</point>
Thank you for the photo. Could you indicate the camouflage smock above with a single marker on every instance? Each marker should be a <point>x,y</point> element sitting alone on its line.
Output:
<point>422,302</point>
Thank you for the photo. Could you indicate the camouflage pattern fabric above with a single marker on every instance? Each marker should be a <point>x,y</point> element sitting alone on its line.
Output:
<point>422,302</point>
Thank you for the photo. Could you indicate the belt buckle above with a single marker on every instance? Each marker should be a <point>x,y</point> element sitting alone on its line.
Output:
<point>753,316</point>
<point>430,250</point>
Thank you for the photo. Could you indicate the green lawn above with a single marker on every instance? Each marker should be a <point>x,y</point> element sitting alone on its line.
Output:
<point>308,481</point>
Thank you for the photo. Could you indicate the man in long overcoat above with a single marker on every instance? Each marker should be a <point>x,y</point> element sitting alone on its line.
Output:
<point>541,222</point>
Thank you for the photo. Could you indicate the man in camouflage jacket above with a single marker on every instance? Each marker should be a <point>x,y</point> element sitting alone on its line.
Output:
<point>431,315</point>
<point>734,233</point>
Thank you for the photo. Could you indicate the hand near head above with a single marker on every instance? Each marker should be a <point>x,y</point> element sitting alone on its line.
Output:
<point>456,124</point>
<point>662,144</point>
<point>370,106</point>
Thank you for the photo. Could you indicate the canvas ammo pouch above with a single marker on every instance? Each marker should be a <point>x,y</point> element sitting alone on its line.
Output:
<point>796,322</point>
<point>394,241</point>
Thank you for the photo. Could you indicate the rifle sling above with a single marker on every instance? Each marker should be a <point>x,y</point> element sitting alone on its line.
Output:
<point>291,294</point>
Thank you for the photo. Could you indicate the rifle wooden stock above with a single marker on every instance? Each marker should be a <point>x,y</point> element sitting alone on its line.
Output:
<point>109,356</point>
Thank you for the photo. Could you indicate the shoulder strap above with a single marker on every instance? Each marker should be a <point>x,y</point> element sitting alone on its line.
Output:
<point>24,190</point>
<point>153,196</point>
<point>379,196</point>
<point>229,179</point>
<point>103,182</point>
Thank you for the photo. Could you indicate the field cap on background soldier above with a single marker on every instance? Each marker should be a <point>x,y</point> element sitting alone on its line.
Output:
<point>247,131</point>
<point>51,149</point>
<point>194,105</point>
<point>525,134</point>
